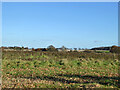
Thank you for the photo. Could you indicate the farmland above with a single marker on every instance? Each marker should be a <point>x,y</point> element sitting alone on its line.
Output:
<point>45,69</point>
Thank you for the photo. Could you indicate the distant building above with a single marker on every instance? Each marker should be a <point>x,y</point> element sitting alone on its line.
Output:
<point>61,49</point>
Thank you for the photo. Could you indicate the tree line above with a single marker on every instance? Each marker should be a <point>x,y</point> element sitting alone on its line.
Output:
<point>113,49</point>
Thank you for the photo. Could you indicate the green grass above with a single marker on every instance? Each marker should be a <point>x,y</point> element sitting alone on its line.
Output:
<point>50,72</point>
<point>103,51</point>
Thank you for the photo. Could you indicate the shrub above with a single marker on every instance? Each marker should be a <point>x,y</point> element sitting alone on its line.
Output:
<point>115,49</point>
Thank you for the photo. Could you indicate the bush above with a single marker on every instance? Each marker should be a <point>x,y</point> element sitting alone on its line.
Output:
<point>51,48</point>
<point>115,49</point>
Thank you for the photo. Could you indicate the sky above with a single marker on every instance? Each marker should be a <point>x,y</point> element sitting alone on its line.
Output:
<point>72,24</point>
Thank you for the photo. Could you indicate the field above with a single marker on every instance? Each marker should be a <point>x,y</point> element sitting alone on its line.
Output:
<point>59,70</point>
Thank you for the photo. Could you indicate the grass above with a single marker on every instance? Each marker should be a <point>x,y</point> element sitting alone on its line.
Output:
<point>99,51</point>
<point>55,71</point>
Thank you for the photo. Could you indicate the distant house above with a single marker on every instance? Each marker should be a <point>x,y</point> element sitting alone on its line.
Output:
<point>61,49</point>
